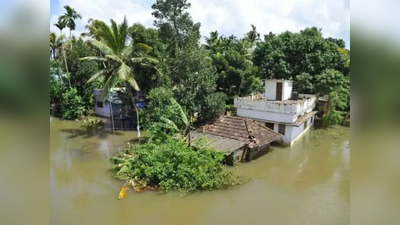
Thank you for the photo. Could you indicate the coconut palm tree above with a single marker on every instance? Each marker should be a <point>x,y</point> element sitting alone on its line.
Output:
<point>69,18</point>
<point>118,58</point>
<point>92,27</point>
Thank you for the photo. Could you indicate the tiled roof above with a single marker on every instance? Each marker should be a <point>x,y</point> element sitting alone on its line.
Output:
<point>238,128</point>
<point>220,143</point>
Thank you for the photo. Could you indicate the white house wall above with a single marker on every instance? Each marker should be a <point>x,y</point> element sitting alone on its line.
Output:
<point>287,90</point>
<point>263,115</point>
<point>105,111</point>
<point>292,133</point>
<point>287,138</point>
<point>270,89</point>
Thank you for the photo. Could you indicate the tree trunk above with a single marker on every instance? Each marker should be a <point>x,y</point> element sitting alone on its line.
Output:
<point>190,125</point>
<point>70,37</point>
<point>66,66</point>
<point>135,107</point>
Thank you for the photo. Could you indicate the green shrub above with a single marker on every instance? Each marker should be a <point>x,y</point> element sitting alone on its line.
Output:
<point>158,105</point>
<point>214,105</point>
<point>72,106</point>
<point>171,165</point>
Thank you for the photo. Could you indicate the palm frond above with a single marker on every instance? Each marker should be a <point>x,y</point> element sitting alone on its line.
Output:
<point>144,47</point>
<point>114,28</point>
<point>151,67</point>
<point>131,80</point>
<point>93,58</point>
<point>124,71</point>
<point>105,33</point>
<point>96,76</point>
<point>101,46</point>
<point>125,74</point>
<point>107,86</point>
<point>115,58</point>
<point>123,32</point>
<point>126,52</point>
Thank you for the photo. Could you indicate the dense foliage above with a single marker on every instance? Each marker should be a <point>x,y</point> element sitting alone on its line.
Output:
<point>72,105</point>
<point>68,59</point>
<point>288,54</point>
<point>171,165</point>
<point>231,57</point>
<point>337,87</point>
<point>203,78</point>
<point>158,105</point>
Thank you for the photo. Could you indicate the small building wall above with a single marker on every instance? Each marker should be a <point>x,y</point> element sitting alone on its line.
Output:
<point>287,90</point>
<point>270,89</point>
<point>265,115</point>
<point>102,111</point>
<point>292,133</point>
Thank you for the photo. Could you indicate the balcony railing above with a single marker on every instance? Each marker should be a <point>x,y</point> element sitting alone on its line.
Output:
<point>304,104</point>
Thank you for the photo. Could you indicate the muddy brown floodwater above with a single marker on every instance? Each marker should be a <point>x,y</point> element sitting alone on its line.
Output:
<point>308,183</point>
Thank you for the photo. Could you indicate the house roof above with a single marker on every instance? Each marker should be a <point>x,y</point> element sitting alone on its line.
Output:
<point>218,142</point>
<point>233,129</point>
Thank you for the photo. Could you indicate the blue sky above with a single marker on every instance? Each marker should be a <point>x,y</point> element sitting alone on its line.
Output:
<point>226,16</point>
<point>54,7</point>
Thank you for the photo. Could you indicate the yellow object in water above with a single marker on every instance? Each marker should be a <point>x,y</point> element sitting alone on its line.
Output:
<point>122,193</point>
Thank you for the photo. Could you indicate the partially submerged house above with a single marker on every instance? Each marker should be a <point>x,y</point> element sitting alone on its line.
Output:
<point>113,109</point>
<point>280,108</point>
<point>110,105</point>
<point>241,139</point>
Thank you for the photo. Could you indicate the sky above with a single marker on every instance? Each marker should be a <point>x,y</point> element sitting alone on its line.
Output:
<point>227,16</point>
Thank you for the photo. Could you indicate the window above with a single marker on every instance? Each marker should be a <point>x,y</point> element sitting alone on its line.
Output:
<point>281,129</point>
<point>312,119</point>
<point>305,124</point>
<point>270,125</point>
<point>99,104</point>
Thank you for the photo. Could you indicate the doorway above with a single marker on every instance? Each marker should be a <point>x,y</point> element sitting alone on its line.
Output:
<point>279,89</point>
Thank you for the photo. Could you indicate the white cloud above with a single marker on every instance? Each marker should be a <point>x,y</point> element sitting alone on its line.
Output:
<point>230,16</point>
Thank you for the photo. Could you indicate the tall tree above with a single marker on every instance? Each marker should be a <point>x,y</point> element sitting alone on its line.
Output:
<point>119,58</point>
<point>175,23</point>
<point>289,54</point>
<point>192,73</point>
<point>146,77</point>
<point>56,44</point>
<point>68,18</point>
<point>92,26</point>
<point>236,74</point>
<point>337,87</point>
<point>60,25</point>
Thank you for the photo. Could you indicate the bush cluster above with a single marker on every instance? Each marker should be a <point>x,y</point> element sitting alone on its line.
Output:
<point>172,165</point>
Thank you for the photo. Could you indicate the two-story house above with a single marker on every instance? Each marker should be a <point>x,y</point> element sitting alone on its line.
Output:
<point>279,108</point>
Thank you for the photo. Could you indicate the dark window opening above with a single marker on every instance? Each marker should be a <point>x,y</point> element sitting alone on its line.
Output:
<point>305,124</point>
<point>99,104</point>
<point>281,129</point>
<point>270,125</point>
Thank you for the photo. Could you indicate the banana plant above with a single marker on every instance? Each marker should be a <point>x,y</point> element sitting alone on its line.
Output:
<point>180,132</point>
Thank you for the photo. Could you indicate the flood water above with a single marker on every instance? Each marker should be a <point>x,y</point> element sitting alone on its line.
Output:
<point>308,183</point>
